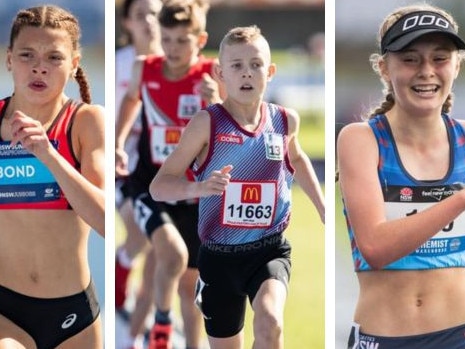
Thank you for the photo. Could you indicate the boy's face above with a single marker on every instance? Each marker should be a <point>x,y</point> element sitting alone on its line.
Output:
<point>181,46</point>
<point>246,69</point>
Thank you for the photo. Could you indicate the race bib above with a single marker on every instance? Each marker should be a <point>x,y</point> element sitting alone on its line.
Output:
<point>274,145</point>
<point>249,204</point>
<point>163,140</point>
<point>449,239</point>
<point>406,201</point>
<point>188,106</point>
<point>24,178</point>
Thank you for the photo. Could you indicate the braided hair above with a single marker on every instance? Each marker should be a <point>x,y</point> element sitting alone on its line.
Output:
<point>375,58</point>
<point>50,16</point>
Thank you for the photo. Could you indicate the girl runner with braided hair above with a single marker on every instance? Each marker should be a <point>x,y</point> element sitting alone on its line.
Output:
<point>402,175</point>
<point>51,190</point>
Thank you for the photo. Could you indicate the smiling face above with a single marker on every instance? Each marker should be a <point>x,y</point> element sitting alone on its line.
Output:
<point>246,68</point>
<point>421,76</point>
<point>41,61</point>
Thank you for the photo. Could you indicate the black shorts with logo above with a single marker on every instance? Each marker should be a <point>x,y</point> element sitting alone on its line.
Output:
<point>229,274</point>
<point>50,321</point>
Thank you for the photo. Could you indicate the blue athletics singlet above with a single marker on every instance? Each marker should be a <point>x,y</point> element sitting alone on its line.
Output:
<point>256,203</point>
<point>403,196</point>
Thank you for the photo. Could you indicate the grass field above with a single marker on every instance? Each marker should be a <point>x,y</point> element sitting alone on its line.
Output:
<point>304,314</point>
<point>312,136</point>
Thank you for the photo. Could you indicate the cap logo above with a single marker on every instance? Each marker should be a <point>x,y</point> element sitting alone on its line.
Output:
<point>425,20</point>
<point>415,24</point>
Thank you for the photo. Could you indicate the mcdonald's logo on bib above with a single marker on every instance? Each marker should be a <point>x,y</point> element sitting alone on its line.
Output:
<point>172,135</point>
<point>251,193</point>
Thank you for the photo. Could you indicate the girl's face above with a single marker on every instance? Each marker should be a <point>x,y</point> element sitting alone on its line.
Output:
<point>181,46</point>
<point>246,69</point>
<point>142,22</point>
<point>422,75</point>
<point>41,61</point>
